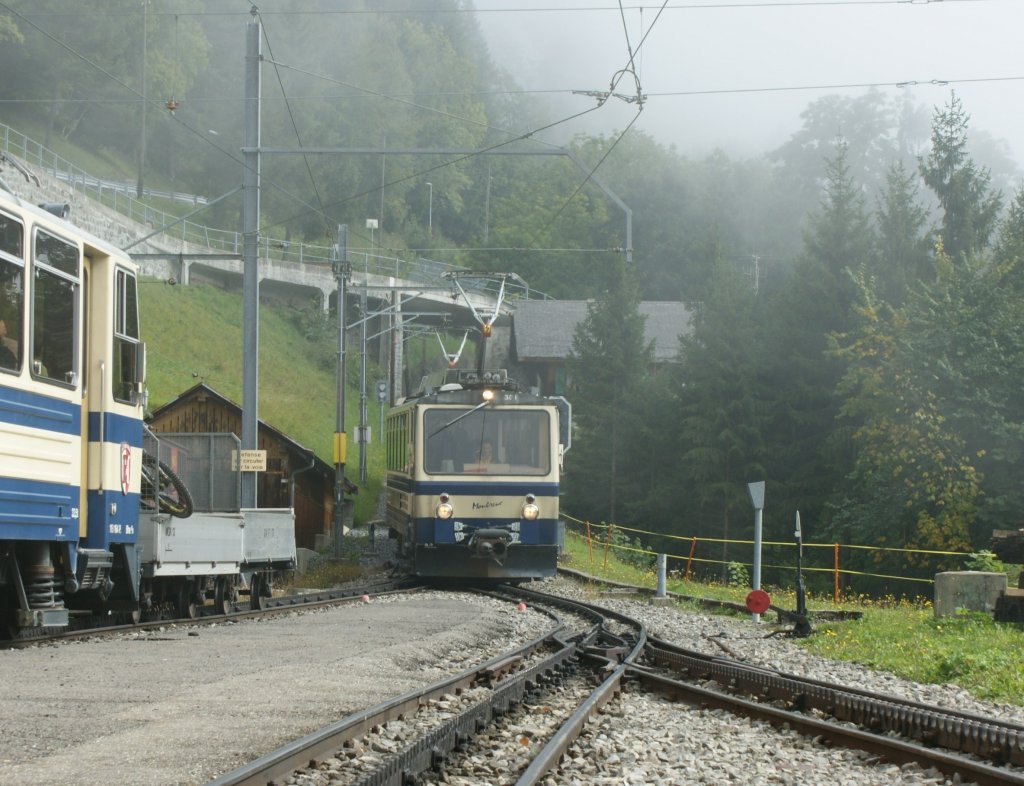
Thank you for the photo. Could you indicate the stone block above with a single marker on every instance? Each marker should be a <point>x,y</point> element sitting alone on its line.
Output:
<point>305,559</point>
<point>969,590</point>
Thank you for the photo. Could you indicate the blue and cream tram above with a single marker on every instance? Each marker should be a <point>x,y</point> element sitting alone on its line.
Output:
<point>71,381</point>
<point>473,469</point>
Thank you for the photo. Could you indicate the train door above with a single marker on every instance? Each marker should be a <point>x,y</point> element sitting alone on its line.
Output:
<point>113,360</point>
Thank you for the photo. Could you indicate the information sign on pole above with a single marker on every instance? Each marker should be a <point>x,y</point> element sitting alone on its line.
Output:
<point>249,460</point>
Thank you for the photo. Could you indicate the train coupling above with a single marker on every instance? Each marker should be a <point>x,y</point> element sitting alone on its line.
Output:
<point>94,568</point>
<point>491,543</point>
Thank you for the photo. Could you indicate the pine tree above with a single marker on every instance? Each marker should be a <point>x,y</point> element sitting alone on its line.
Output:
<point>970,209</point>
<point>608,365</point>
<point>717,418</point>
<point>809,453</point>
<point>904,248</point>
<point>1009,248</point>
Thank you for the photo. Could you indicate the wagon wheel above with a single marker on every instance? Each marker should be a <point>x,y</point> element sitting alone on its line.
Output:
<point>259,588</point>
<point>187,606</point>
<point>225,594</point>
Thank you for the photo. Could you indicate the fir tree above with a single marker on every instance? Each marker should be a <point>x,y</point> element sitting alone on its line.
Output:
<point>608,364</point>
<point>970,209</point>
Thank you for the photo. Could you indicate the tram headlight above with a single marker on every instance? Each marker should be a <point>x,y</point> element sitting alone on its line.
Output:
<point>444,509</point>
<point>530,509</point>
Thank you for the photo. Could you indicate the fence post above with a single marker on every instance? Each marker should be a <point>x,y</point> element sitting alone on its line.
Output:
<point>607,544</point>
<point>835,573</point>
<point>590,545</point>
<point>689,560</point>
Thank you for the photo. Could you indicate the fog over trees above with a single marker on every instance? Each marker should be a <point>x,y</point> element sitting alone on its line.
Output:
<point>859,340</point>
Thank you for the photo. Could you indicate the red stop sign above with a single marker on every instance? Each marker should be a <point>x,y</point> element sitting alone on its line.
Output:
<point>758,601</point>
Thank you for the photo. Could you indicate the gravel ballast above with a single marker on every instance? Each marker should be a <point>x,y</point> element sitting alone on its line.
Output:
<point>186,704</point>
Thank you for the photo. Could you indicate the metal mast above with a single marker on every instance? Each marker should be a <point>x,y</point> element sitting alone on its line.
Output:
<point>250,253</point>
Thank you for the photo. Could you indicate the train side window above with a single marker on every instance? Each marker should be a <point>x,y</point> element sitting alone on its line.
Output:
<point>56,275</point>
<point>397,435</point>
<point>127,357</point>
<point>12,293</point>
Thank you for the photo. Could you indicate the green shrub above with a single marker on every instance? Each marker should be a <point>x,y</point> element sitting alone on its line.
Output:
<point>738,575</point>
<point>986,561</point>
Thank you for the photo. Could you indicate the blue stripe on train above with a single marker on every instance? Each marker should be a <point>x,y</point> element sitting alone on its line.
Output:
<point>36,510</point>
<point>34,410</point>
<point>117,428</point>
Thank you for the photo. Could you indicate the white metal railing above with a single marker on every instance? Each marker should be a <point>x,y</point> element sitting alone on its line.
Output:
<point>113,186</point>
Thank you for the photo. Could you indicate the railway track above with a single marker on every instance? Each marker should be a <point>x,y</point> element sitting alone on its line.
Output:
<point>446,716</point>
<point>453,729</point>
<point>214,614</point>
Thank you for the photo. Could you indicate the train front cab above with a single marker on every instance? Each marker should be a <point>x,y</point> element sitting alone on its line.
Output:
<point>465,518</point>
<point>70,438</point>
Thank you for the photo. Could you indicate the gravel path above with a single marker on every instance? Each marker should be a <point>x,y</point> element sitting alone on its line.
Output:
<point>186,704</point>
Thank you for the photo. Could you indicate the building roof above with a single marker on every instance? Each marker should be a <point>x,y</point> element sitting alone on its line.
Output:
<point>544,329</point>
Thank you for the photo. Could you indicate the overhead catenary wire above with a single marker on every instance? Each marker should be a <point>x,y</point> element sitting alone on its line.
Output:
<point>291,117</point>
<point>636,116</point>
<point>449,162</point>
<point>900,83</point>
<point>533,9</point>
<point>593,170</point>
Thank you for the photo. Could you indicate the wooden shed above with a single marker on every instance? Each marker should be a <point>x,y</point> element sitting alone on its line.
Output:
<point>295,476</point>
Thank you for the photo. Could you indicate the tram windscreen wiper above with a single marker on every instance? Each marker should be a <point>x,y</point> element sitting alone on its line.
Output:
<point>453,421</point>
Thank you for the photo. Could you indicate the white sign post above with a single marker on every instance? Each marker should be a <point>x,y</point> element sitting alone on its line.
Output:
<point>756,491</point>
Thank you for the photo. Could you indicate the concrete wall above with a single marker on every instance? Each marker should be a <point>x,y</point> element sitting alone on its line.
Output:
<point>969,590</point>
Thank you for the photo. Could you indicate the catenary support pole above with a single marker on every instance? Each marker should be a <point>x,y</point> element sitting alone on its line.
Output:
<point>341,272</point>
<point>250,254</point>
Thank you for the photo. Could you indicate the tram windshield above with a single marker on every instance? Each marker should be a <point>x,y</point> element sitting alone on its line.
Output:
<point>487,441</point>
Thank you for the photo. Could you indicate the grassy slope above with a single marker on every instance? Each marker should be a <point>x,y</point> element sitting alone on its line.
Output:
<point>194,334</point>
<point>970,650</point>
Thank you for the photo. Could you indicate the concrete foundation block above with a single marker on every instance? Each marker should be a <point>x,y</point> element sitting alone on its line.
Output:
<point>968,590</point>
<point>306,558</point>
